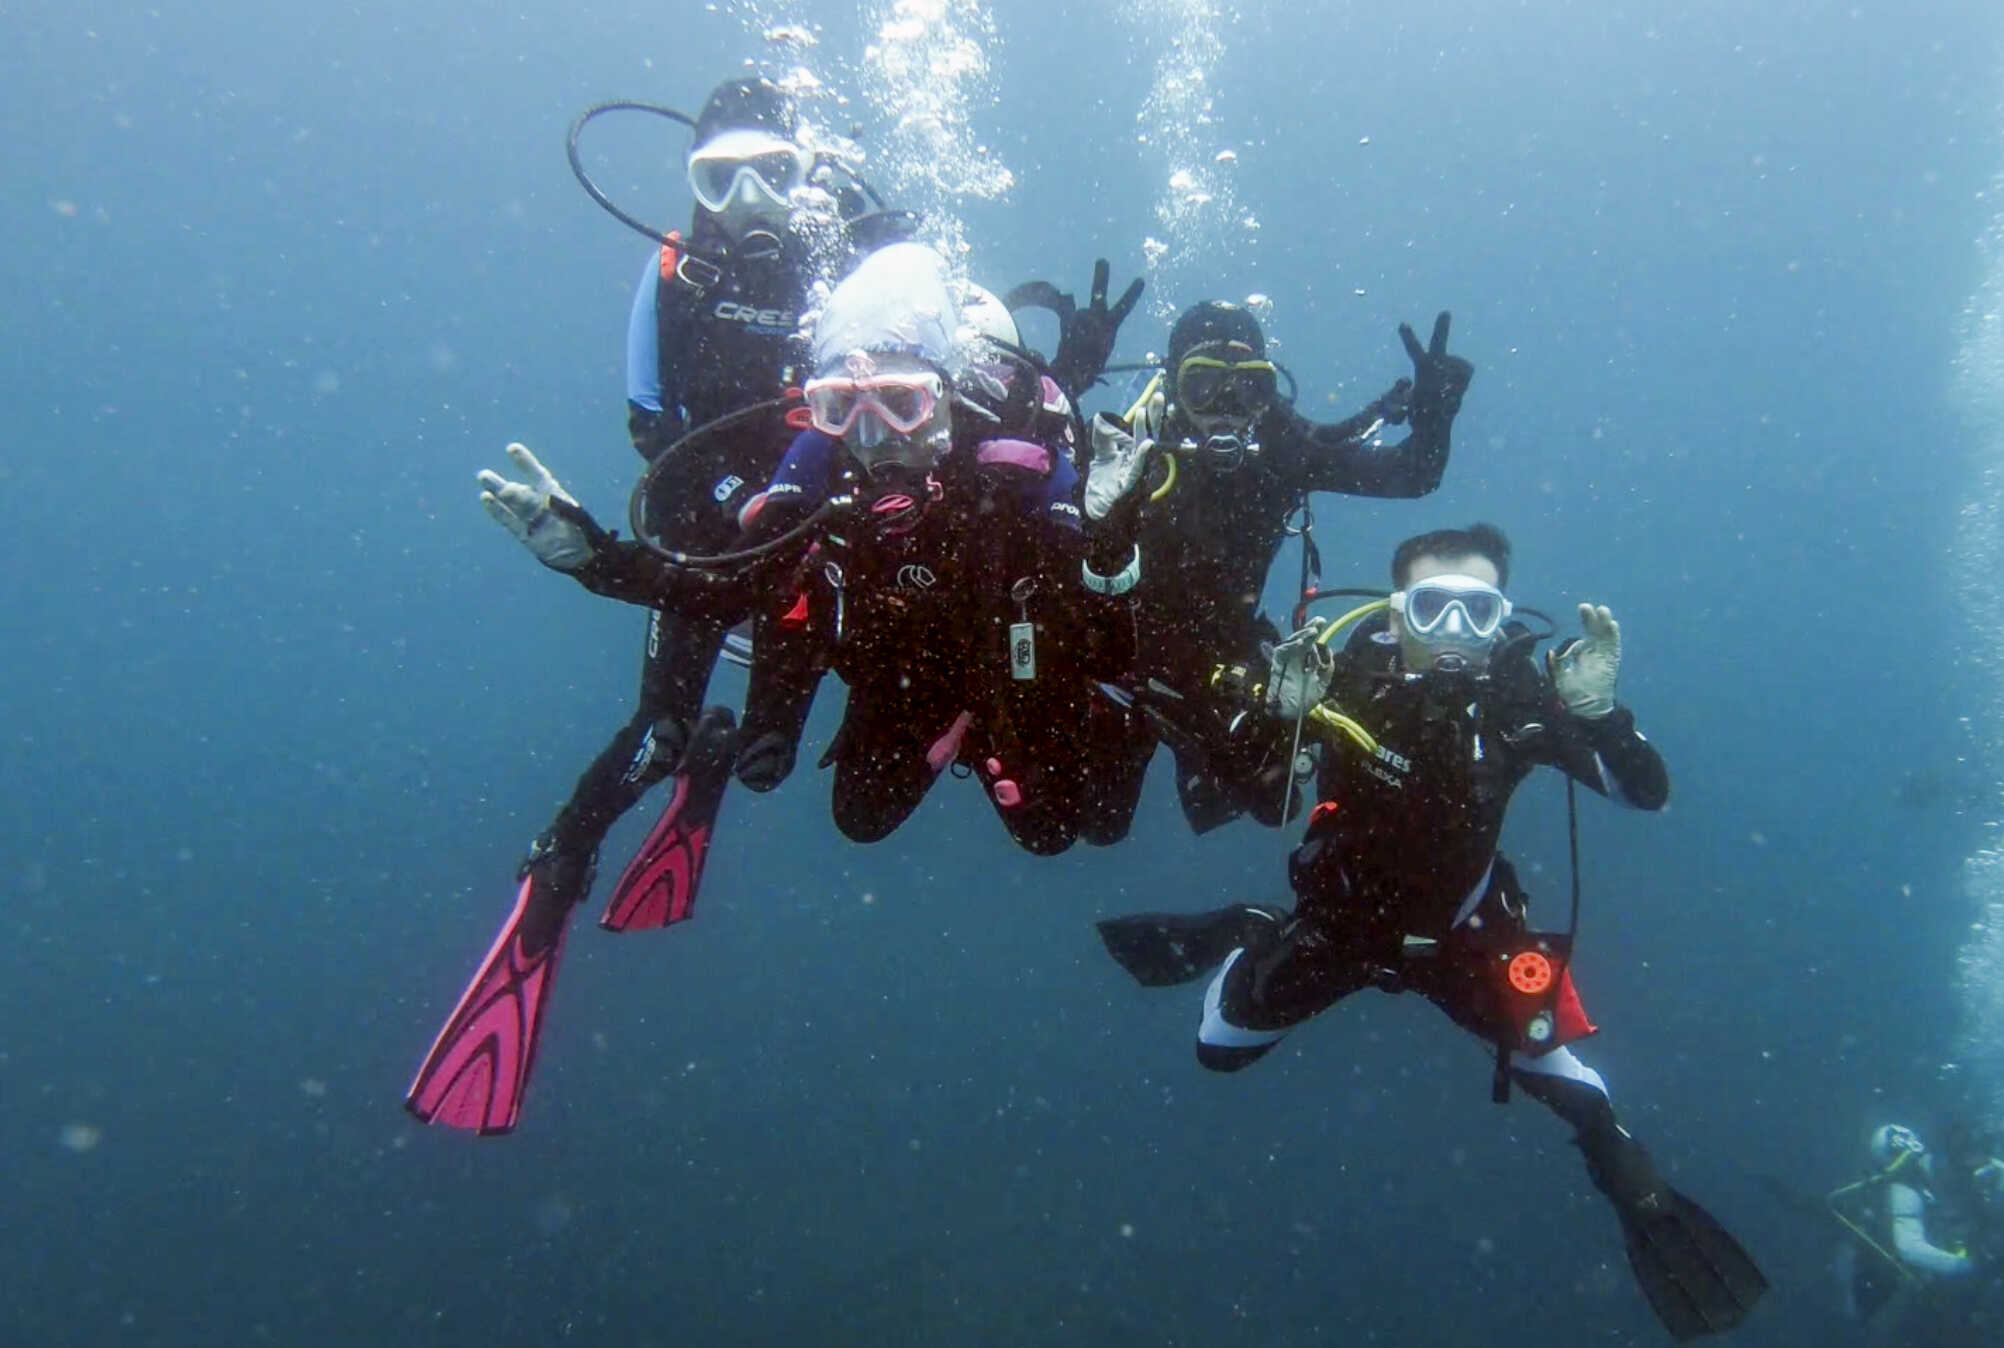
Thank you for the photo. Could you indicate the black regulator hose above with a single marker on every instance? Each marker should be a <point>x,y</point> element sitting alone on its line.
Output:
<point>636,504</point>
<point>584,178</point>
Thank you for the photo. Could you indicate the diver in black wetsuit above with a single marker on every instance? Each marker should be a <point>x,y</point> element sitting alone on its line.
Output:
<point>714,329</point>
<point>934,560</point>
<point>713,335</point>
<point>1430,719</point>
<point>1228,462</point>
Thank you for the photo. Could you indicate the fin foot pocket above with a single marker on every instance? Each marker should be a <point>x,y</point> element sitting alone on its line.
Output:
<point>658,887</point>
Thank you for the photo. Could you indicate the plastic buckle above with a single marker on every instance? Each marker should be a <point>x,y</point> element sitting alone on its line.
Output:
<point>697,272</point>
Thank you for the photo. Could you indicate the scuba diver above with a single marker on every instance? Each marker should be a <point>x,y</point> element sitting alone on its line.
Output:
<point>714,329</point>
<point>921,538</point>
<point>1229,462</point>
<point>1922,1264</point>
<point>1430,717</point>
<point>963,608</point>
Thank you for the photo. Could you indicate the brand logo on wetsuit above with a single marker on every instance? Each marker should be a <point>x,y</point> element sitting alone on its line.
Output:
<point>733,312</point>
<point>916,576</point>
<point>1399,762</point>
<point>726,489</point>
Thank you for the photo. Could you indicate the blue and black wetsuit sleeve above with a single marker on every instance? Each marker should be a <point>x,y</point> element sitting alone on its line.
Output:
<point>800,485</point>
<point>654,417</point>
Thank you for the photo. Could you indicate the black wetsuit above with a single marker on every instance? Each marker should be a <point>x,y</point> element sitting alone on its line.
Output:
<point>1398,881</point>
<point>1400,887</point>
<point>1206,549</point>
<point>925,626</point>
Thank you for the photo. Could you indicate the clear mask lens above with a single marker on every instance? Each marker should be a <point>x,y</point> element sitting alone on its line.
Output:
<point>897,404</point>
<point>760,173</point>
<point>1461,609</point>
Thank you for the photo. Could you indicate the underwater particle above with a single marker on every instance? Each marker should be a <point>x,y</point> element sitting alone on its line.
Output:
<point>65,208</point>
<point>79,1137</point>
<point>1363,140</point>
<point>314,1087</point>
<point>1359,292</point>
<point>869,899</point>
<point>1485,1246</point>
<point>1757,838</point>
<point>553,1214</point>
<point>1225,157</point>
<point>1127,1230</point>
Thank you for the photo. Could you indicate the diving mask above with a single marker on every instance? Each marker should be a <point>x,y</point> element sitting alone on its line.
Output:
<point>747,172</point>
<point>838,405</point>
<point>1207,384</point>
<point>1455,617</point>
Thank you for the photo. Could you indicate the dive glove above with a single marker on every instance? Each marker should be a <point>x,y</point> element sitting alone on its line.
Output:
<point>1120,458</point>
<point>545,519</point>
<point>1584,669</point>
<point>1298,673</point>
<point>1439,379</point>
<point>1085,336</point>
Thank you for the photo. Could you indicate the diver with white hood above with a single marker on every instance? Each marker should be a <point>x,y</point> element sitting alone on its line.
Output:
<point>960,605</point>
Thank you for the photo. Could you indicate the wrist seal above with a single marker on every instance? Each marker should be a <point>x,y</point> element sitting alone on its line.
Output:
<point>1117,584</point>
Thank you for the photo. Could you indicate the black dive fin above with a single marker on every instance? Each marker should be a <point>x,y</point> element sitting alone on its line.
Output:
<point>1163,949</point>
<point>1696,1276</point>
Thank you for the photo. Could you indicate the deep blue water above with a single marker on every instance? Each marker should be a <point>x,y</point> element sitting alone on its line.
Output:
<point>280,708</point>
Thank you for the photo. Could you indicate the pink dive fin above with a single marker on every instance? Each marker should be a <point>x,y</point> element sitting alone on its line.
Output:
<point>659,886</point>
<point>478,1068</point>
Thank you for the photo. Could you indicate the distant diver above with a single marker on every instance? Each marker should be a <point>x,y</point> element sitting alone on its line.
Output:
<point>1927,1241</point>
<point>1959,788</point>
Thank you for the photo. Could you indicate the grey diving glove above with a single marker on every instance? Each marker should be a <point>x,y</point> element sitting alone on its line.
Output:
<point>543,517</point>
<point>1584,670</point>
<point>1120,456</point>
<point>1298,673</point>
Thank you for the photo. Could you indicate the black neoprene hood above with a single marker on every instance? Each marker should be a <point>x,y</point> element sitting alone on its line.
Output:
<point>1213,321</point>
<point>746,105</point>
